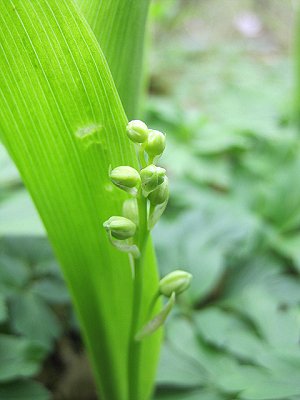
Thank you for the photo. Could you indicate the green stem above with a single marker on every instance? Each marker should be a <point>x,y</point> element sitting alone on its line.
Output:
<point>135,346</point>
<point>141,155</point>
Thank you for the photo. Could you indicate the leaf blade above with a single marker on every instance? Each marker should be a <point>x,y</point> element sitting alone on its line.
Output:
<point>120,29</point>
<point>60,84</point>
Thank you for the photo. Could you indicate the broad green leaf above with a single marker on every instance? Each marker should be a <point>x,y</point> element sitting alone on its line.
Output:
<point>288,246</point>
<point>190,395</point>
<point>296,60</point>
<point>215,364</point>
<point>3,308</point>
<point>237,378</point>
<point>285,215</point>
<point>272,389</point>
<point>119,26</point>
<point>182,340</point>
<point>255,271</point>
<point>23,390</point>
<point>177,370</point>
<point>202,238</point>
<point>215,141</point>
<point>224,330</point>
<point>31,317</point>
<point>285,288</point>
<point>14,274</point>
<point>19,358</point>
<point>57,95</point>
<point>281,329</point>
<point>31,250</point>
<point>52,290</point>
<point>18,216</point>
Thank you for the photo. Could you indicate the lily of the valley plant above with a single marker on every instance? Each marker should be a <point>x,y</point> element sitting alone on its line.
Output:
<point>63,123</point>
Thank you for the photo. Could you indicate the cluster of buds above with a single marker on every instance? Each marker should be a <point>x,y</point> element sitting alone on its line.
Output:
<point>153,142</point>
<point>150,182</point>
<point>147,187</point>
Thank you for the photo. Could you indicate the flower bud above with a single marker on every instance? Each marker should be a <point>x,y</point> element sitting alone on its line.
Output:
<point>155,144</point>
<point>175,282</point>
<point>120,227</point>
<point>125,177</point>
<point>130,210</point>
<point>137,131</point>
<point>160,194</point>
<point>151,177</point>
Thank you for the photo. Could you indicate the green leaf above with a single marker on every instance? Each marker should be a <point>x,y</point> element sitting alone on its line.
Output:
<point>51,290</point>
<point>202,238</point>
<point>223,362</point>
<point>14,274</point>
<point>288,246</point>
<point>296,60</point>
<point>178,371</point>
<point>280,328</point>
<point>60,86</point>
<point>31,250</point>
<point>18,216</point>
<point>235,378</point>
<point>271,389</point>
<point>24,390</point>
<point>3,308</point>
<point>182,340</point>
<point>19,358</point>
<point>214,141</point>
<point>191,395</point>
<point>227,331</point>
<point>31,317</point>
<point>285,215</point>
<point>119,27</point>
<point>285,288</point>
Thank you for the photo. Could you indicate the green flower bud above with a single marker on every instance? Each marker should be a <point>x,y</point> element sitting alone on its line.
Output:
<point>151,177</point>
<point>160,194</point>
<point>137,131</point>
<point>161,173</point>
<point>130,210</point>
<point>125,177</point>
<point>155,144</point>
<point>120,227</point>
<point>175,282</point>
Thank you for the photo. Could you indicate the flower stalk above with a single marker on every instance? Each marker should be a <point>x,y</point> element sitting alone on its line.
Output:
<point>149,191</point>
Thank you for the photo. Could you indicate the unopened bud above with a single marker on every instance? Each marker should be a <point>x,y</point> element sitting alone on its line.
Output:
<point>160,194</point>
<point>175,282</point>
<point>152,177</point>
<point>130,210</point>
<point>156,143</point>
<point>137,131</point>
<point>120,227</point>
<point>125,177</point>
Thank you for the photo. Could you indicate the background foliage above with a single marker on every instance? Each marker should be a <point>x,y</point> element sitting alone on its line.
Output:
<point>223,94</point>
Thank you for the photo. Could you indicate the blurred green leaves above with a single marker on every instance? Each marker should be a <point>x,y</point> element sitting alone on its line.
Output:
<point>19,358</point>
<point>24,390</point>
<point>235,335</point>
<point>233,221</point>
<point>31,287</point>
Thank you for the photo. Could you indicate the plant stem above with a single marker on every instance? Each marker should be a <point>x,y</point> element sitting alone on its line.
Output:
<point>135,346</point>
<point>141,154</point>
